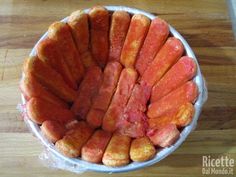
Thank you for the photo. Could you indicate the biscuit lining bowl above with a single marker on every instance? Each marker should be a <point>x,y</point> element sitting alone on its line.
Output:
<point>76,164</point>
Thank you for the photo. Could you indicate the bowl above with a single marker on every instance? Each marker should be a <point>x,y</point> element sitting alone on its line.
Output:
<point>77,165</point>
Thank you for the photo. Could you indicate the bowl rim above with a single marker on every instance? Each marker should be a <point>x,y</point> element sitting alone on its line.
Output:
<point>78,163</point>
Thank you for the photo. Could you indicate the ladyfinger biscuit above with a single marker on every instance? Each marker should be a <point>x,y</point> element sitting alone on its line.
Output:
<point>99,33</point>
<point>71,144</point>
<point>53,130</point>
<point>87,90</point>
<point>94,117</point>
<point>117,151</point>
<point>142,149</point>
<point>139,98</point>
<point>180,117</point>
<point>133,128</point>
<point>95,147</point>
<point>61,33</point>
<point>165,58</point>
<point>171,102</point>
<point>102,99</point>
<point>78,22</point>
<point>87,59</point>
<point>40,110</point>
<point>120,21</point>
<point>184,115</point>
<point>48,77</point>
<point>133,122</point>
<point>158,122</point>
<point>156,37</point>
<point>30,87</point>
<point>180,73</point>
<point>165,136</point>
<point>134,39</point>
<point>48,51</point>
<point>115,110</point>
<point>110,79</point>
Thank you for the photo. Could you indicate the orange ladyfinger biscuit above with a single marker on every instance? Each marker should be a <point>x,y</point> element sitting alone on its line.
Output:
<point>171,102</point>
<point>70,145</point>
<point>158,122</point>
<point>94,117</point>
<point>78,21</point>
<point>40,110</point>
<point>87,59</point>
<point>102,99</point>
<point>95,147</point>
<point>170,52</point>
<point>53,130</point>
<point>110,79</point>
<point>181,118</point>
<point>180,73</point>
<point>184,115</point>
<point>134,39</point>
<point>142,149</point>
<point>156,37</point>
<point>165,136</point>
<point>48,77</point>
<point>125,85</point>
<point>120,21</point>
<point>48,51</point>
<point>117,151</point>
<point>99,33</point>
<point>30,87</point>
<point>87,90</point>
<point>61,33</point>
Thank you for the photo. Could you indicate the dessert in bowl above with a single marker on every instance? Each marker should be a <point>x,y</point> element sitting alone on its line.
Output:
<point>112,89</point>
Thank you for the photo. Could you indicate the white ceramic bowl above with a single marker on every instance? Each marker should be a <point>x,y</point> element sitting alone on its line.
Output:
<point>78,165</point>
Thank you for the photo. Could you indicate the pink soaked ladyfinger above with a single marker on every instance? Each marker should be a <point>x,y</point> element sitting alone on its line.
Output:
<point>170,52</point>
<point>180,73</point>
<point>133,122</point>
<point>48,51</point>
<point>61,33</point>
<point>99,32</point>
<point>40,110</point>
<point>115,110</point>
<point>165,136</point>
<point>156,37</point>
<point>95,147</point>
<point>30,87</point>
<point>117,151</point>
<point>87,90</point>
<point>71,144</point>
<point>102,99</point>
<point>48,77</point>
<point>53,130</point>
<point>134,39</point>
<point>120,21</point>
<point>186,93</point>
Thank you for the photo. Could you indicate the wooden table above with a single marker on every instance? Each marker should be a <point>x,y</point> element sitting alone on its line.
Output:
<point>207,27</point>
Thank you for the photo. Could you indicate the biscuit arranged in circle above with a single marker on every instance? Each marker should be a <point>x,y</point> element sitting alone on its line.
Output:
<point>110,87</point>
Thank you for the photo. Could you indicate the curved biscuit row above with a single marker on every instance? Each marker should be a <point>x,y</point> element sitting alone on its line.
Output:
<point>119,73</point>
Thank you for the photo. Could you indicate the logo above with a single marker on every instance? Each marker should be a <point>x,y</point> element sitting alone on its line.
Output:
<point>217,166</point>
